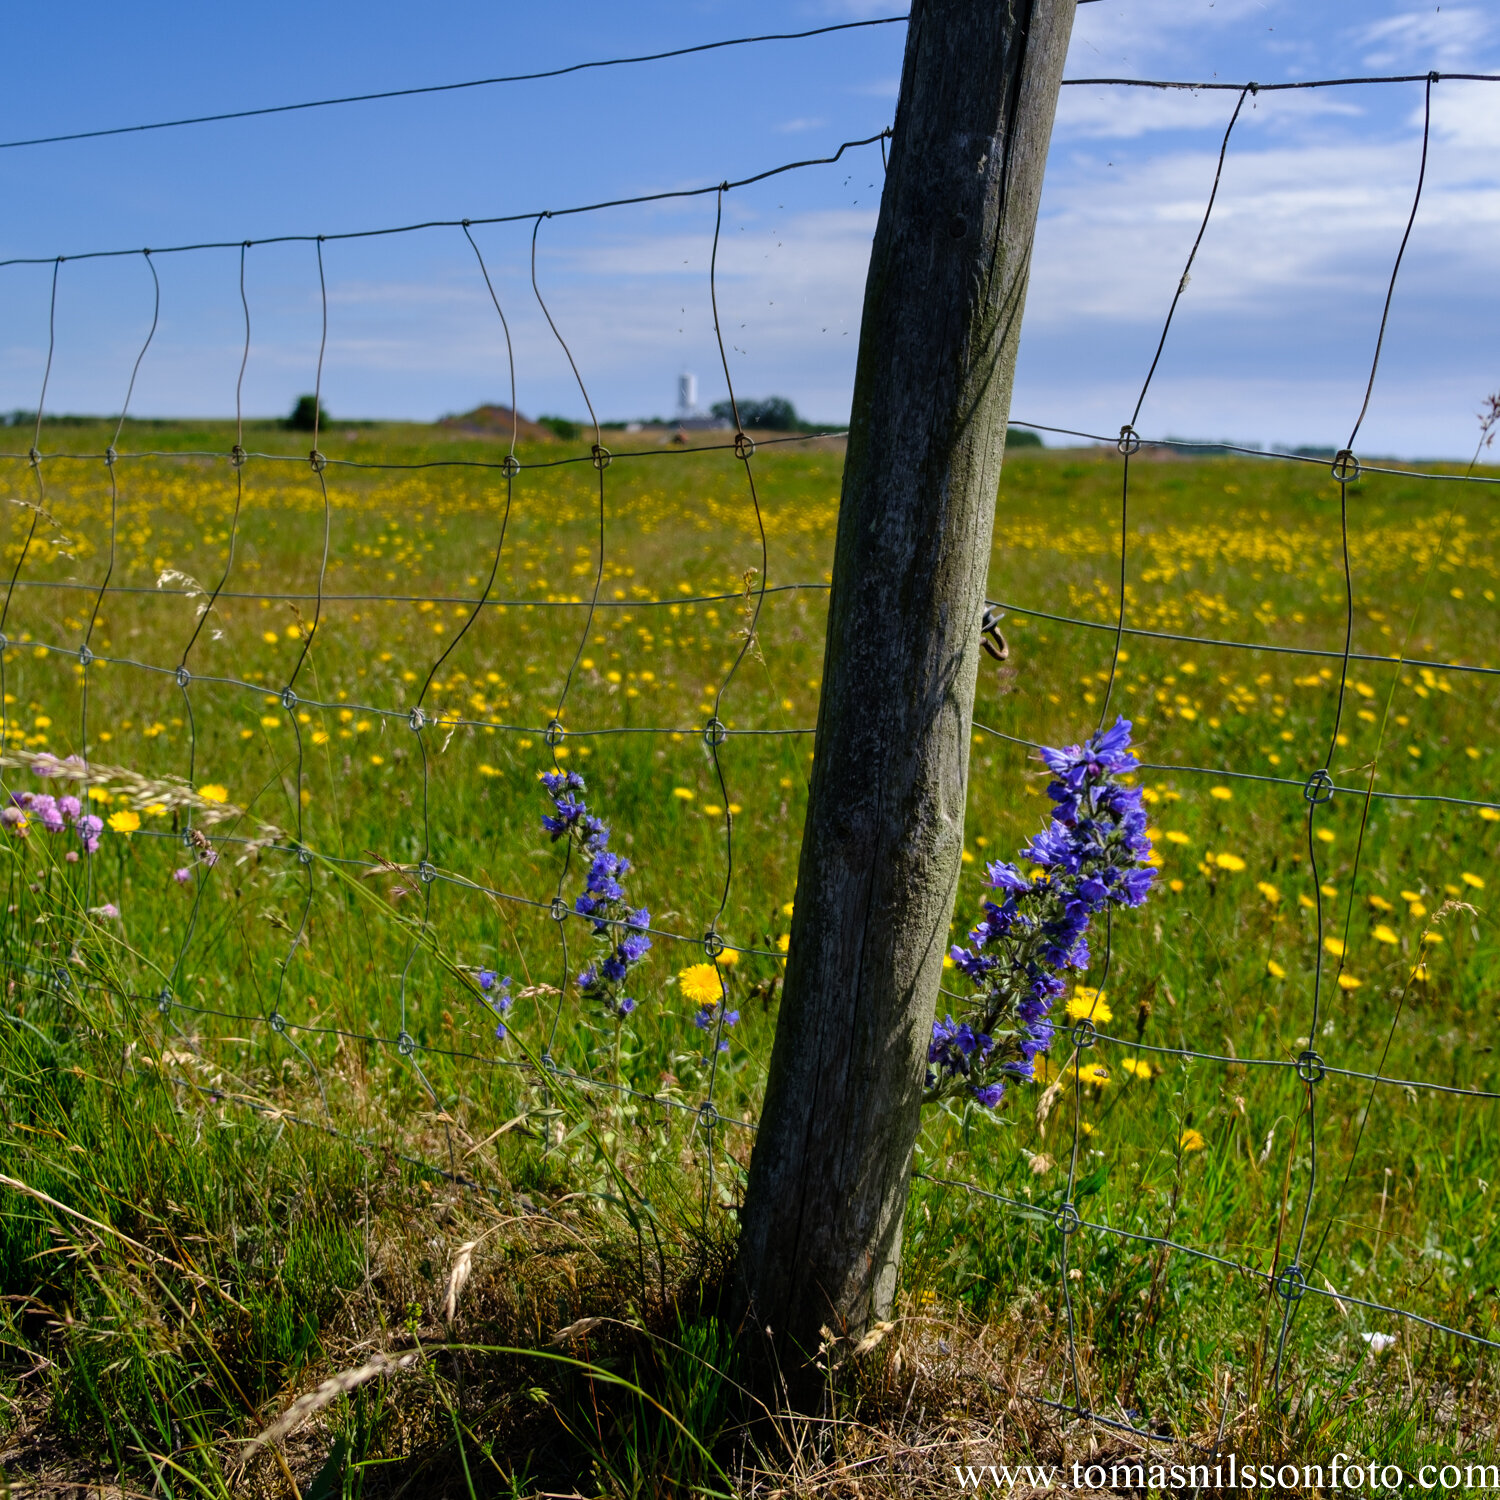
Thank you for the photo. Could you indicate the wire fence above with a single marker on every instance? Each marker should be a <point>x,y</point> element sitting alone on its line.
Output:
<point>1285,1271</point>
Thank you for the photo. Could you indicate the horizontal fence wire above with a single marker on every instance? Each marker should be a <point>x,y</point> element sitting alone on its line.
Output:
<point>1288,1278</point>
<point>596,65</point>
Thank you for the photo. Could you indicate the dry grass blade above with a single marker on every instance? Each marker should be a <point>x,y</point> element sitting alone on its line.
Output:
<point>327,1393</point>
<point>17,1186</point>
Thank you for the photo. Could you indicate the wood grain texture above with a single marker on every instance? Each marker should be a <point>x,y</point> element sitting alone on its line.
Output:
<point>829,1179</point>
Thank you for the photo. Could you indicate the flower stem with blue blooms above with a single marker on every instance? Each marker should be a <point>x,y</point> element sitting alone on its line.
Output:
<point>1091,858</point>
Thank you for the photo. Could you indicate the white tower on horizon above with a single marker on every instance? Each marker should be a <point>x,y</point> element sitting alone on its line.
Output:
<point>687,395</point>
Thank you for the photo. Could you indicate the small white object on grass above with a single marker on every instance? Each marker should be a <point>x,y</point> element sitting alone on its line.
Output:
<point>1379,1342</point>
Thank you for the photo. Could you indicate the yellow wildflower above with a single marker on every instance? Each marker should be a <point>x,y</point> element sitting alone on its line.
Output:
<point>1349,982</point>
<point>1476,881</point>
<point>1269,891</point>
<point>213,792</point>
<point>1274,969</point>
<point>1094,1075</point>
<point>1335,946</point>
<point>1220,793</point>
<point>685,793</point>
<point>1230,862</point>
<point>1177,836</point>
<point>728,958</point>
<point>1490,814</point>
<point>1138,1067</point>
<point>1089,1003</point>
<point>1383,934</point>
<point>125,821</point>
<point>700,984</point>
<point>1191,1140</point>
<point>1379,903</point>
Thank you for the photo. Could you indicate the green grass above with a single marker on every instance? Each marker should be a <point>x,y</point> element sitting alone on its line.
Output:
<point>285,1251</point>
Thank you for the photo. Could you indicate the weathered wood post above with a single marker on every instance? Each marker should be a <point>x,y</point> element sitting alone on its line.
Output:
<point>821,1228</point>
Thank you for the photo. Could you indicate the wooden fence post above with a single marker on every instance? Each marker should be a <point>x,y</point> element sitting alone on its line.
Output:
<point>830,1175</point>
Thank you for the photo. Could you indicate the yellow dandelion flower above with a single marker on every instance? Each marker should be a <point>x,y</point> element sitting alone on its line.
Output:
<point>213,792</point>
<point>1094,1075</point>
<point>1138,1067</point>
<point>1417,909</point>
<point>1379,903</point>
<point>1335,946</point>
<point>1420,973</point>
<point>125,821</point>
<point>713,810</point>
<point>728,958</point>
<point>1490,814</point>
<point>1221,794</point>
<point>1177,836</point>
<point>270,721</point>
<point>1329,890</point>
<point>1475,881</point>
<point>1230,862</point>
<point>1383,934</point>
<point>1432,937</point>
<point>1269,891</point>
<point>683,792</point>
<point>1176,886</point>
<point>1191,1140</point>
<point>487,770</point>
<point>1274,969</point>
<point>1324,835</point>
<point>1349,982</point>
<point>1089,1003</point>
<point>700,984</point>
<point>1306,901</point>
<point>788,907</point>
<point>270,637</point>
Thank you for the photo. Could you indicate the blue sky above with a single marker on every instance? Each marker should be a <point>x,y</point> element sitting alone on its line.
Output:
<point>1271,343</point>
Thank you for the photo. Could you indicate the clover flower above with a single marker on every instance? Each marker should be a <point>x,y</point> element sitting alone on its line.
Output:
<point>1092,858</point>
<point>618,930</point>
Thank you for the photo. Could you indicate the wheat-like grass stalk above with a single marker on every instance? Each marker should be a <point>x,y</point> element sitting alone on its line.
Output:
<point>326,1394</point>
<point>140,792</point>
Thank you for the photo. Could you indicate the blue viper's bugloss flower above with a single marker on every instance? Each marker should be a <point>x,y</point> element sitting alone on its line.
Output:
<point>617,929</point>
<point>1090,856</point>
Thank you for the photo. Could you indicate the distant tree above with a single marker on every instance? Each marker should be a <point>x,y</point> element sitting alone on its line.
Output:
<point>307,415</point>
<point>773,414</point>
<point>1022,437</point>
<point>561,427</point>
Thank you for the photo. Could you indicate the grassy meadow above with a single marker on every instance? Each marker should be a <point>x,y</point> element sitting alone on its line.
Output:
<point>255,1112</point>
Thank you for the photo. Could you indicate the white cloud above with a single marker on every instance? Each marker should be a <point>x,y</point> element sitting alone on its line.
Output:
<point>1414,41</point>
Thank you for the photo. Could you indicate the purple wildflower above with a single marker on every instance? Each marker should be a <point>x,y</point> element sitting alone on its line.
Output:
<point>1091,853</point>
<point>617,929</point>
